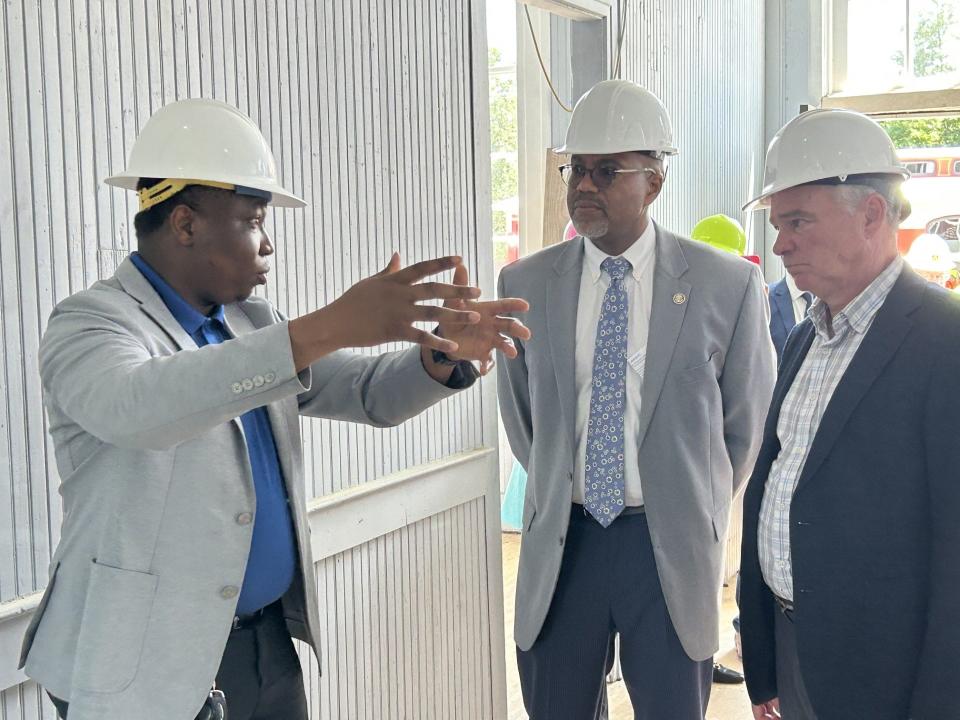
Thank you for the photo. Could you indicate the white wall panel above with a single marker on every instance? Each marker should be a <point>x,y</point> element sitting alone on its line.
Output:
<point>412,641</point>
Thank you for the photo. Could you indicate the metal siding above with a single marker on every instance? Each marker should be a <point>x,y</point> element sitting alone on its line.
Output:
<point>412,642</point>
<point>369,109</point>
<point>26,702</point>
<point>704,60</point>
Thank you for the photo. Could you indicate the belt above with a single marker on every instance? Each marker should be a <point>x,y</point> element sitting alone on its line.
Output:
<point>628,510</point>
<point>785,606</point>
<point>249,620</point>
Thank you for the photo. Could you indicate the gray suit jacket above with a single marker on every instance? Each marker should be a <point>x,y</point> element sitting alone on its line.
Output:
<point>707,383</point>
<point>156,479</point>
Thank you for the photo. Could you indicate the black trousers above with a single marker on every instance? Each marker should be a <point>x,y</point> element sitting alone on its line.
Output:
<point>259,674</point>
<point>608,584</point>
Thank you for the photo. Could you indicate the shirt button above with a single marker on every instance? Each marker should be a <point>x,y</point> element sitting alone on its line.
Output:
<point>237,388</point>
<point>244,518</point>
<point>229,592</point>
<point>258,380</point>
<point>247,384</point>
<point>270,377</point>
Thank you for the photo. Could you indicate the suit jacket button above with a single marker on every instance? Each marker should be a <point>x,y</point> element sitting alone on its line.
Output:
<point>270,377</point>
<point>228,592</point>
<point>244,518</point>
<point>258,380</point>
<point>247,384</point>
<point>237,388</point>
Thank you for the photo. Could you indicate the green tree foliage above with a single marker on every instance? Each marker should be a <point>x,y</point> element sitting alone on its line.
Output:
<point>930,39</point>
<point>504,174</point>
<point>930,132</point>
<point>503,109</point>
<point>504,180</point>
<point>934,31</point>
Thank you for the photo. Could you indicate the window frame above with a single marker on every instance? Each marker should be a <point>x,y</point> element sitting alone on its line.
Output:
<point>919,97</point>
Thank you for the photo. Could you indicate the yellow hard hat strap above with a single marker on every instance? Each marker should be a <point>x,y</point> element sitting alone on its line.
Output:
<point>166,189</point>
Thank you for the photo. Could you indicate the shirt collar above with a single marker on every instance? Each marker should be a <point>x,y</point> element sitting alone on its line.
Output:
<point>795,292</point>
<point>640,254</point>
<point>859,312</point>
<point>189,317</point>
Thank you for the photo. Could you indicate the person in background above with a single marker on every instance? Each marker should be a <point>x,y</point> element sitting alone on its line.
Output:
<point>931,259</point>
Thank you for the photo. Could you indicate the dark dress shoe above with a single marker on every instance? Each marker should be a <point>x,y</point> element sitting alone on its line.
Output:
<point>725,675</point>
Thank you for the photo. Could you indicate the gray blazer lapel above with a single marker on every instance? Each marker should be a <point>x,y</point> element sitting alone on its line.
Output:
<point>139,288</point>
<point>667,311</point>
<point>881,342</point>
<point>563,296</point>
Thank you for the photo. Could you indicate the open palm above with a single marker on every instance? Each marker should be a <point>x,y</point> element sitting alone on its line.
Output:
<point>494,331</point>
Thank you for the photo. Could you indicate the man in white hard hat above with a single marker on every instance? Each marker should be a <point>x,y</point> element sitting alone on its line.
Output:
<point>850,572</point>
<point>636,410</point>
<point>173,396</point>
<point>930,257</point>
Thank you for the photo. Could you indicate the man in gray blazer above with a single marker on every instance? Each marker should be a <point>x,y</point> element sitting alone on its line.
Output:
<point>636,409</point>
<point>173,397</point>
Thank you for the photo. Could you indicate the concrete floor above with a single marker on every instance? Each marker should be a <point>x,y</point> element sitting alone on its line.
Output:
<point>727,702</point>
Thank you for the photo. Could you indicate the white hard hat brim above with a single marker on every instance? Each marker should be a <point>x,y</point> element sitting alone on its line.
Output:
<point>279,197</point>
<point>610,149</point>
<point>762,200</point>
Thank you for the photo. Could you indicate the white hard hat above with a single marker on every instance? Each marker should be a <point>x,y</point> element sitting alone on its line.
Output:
<point>825,145</point>
<point>202,142</point>
<point>930,253</point>
<point>617,116</point>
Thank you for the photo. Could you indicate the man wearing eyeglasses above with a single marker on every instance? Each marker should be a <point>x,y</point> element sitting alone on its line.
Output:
<point>636,409</point>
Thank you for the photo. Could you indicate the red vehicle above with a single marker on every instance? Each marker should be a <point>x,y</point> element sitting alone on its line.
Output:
<point>934,192</point>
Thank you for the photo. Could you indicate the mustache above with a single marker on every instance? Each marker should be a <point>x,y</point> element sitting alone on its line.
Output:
<point>592,200</point>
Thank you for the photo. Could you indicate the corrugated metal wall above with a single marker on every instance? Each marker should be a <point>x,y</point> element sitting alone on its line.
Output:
<point>409,646</point>
<point>704,60</point>
<point>369,108</point>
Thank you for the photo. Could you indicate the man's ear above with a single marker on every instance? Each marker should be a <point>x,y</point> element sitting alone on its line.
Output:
<point>654,186</point>
<point>181,223</point>
<point>875,212</point>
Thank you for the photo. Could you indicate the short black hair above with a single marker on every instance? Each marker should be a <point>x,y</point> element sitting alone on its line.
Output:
<point>147,222</point>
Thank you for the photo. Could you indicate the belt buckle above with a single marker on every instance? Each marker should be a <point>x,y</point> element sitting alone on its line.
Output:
<point>785,606</point>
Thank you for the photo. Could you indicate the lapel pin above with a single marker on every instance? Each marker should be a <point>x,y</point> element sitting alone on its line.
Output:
<point>679,299</point>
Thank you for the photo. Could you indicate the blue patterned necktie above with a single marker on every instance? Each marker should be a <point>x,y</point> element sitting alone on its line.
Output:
<point>603,472</point>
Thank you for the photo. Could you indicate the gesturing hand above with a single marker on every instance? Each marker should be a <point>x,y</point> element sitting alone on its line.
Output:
<point>382,308</point>
<point>477,340</point>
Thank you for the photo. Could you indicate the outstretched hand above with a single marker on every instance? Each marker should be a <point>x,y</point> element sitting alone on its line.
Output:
<point>477,341</point>
<point>383,308</point>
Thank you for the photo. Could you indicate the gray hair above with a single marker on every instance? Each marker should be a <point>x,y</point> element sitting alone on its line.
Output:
<point>860,188</point>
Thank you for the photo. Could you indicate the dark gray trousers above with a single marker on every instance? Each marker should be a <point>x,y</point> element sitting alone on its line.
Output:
<point>608,584</point>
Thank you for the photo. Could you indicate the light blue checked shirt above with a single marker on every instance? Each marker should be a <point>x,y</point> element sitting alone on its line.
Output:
<point>800,415</point>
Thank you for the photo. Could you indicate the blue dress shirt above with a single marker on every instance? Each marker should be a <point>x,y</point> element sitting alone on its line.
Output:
<point>273,550</point>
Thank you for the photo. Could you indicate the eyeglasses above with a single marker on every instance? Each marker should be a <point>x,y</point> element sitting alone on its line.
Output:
<point>602,176</point>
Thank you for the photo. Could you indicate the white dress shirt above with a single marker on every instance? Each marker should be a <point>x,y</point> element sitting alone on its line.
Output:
<point>638,285</point>
<point>800,415</point>
<point>796,298</point>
